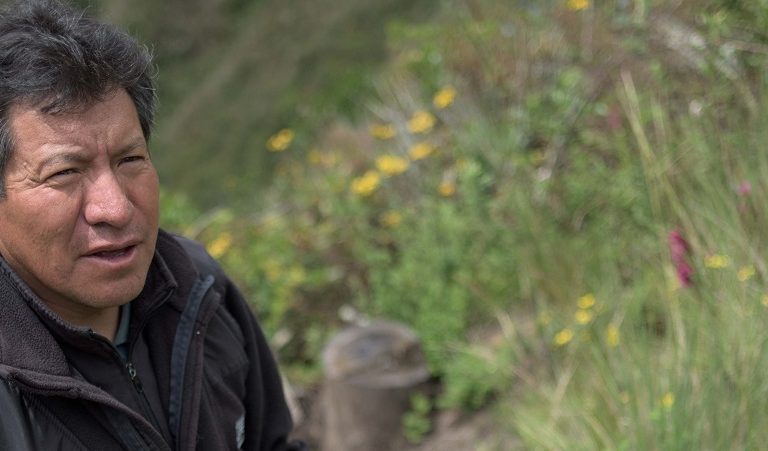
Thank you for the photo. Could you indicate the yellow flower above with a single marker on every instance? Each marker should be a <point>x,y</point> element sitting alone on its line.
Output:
<point>587,301</point>
<point>446,188</point>
<point>583,316</point>
<point>444,97</point>
<point>563,337</point>
<point>366,184</point>
<point>668,400</point>
<point>612,336</point>
<point>382,131</point>
<point>421,122</point>
<point>391,164</point>
<point>745,273</point>
<point>577,5</point>
<point>219,246</point>
<point>391,219</point>
<point>421,150</point>
<point>280,140</point>
<point>716,261</point>
<point>764,300</point>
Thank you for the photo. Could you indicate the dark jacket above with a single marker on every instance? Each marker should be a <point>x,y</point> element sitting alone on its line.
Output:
<point>192,336</point>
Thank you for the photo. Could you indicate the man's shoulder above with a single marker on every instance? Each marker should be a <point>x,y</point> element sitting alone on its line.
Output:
<point>176,246</point>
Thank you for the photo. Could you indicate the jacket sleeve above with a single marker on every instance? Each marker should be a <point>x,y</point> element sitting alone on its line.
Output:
<point>15,426</point>
<point>268,418</point>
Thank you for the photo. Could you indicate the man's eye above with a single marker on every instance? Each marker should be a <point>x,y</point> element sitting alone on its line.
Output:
<point>63,173</point>
<point>133,159</point>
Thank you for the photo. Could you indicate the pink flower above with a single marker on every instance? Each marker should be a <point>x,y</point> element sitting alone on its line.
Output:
<point>679,250</point>
<point>745,188</point>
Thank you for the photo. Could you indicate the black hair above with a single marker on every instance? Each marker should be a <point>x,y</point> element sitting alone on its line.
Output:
<point>57,59</point>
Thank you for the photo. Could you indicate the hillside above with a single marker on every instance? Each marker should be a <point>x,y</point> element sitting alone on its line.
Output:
<point>563,198</point>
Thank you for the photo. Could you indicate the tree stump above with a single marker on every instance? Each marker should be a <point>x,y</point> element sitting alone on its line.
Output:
<point>371,372</point>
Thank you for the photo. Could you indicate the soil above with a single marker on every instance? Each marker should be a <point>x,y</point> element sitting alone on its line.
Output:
<point>452,430</point>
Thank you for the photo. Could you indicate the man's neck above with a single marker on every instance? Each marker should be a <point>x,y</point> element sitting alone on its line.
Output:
<point>103,321</point>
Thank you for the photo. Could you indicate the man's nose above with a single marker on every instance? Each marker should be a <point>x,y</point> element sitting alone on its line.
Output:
<point>107,202</point>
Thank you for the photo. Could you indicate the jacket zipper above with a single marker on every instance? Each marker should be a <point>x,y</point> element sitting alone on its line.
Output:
<point>136,382</point>
<point>134,375</point>
<point>148,412</point>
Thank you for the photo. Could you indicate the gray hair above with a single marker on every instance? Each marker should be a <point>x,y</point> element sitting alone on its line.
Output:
<point>57,59</point>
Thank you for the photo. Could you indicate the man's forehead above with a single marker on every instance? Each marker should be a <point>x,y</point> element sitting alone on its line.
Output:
<point>28,124</point>
<point>110,123</point>
<point>42,111</point>
<point>57,112</point>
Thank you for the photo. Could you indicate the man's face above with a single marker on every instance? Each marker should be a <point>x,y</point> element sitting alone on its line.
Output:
<point>80,217</point>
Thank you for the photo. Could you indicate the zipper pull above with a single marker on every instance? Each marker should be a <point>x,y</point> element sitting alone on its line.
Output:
<point>134,376</point>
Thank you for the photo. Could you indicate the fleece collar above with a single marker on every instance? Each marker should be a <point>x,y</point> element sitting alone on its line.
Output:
<point>29,330</point>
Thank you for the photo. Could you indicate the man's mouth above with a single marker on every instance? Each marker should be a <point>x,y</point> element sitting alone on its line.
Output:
<point>117,253</point>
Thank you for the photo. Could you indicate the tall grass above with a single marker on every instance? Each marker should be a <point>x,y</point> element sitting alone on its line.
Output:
<point>685,372</point>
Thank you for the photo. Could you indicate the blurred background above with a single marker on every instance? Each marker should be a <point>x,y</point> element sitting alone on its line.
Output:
<point>564,199</point>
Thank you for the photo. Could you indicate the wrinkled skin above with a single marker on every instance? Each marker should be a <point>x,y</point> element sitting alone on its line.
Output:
<point>80,216</point>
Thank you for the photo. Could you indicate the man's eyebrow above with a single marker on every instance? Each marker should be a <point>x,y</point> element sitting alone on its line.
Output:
<point>62,157</point>
<point>73,156</point>
<point>132,145</point>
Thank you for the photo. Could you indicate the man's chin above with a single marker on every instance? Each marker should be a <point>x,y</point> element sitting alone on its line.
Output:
<point>111,295</point>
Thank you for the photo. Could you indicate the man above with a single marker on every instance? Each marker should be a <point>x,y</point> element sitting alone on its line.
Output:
<point>113,335</point>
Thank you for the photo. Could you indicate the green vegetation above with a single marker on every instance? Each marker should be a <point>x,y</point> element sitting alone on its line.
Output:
<point>416,422</point>
<point>530,186</point>
<point>232,72</point>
